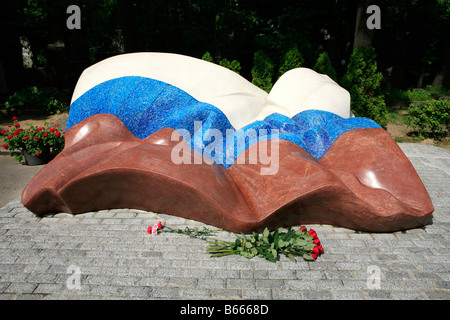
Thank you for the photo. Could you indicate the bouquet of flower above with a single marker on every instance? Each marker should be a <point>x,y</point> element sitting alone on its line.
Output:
<point>34,140</point>
<point>268,245</point>
<point>271,244</point>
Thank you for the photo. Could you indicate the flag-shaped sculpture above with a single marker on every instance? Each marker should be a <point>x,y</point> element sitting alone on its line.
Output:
<point>178,135</point>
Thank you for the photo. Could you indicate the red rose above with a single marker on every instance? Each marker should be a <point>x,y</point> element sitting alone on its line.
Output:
<point>5,146</point>
<point>45,134</point>
<point>149,230</point>
<point>39,129</point>
<point>10,136</point>
<point>2,131</point>
<point>14,118</point>
<point>316,241</point>
<point>36,138</point>
<point>57,125</point>
<point>26,138</point>
<point>57,133</point>
<point>320,249</point>
<point>303,228</point>
<point>16,132</point>
<point>314,256</point>
<point>16,125</point>
<point>52,130</point>
<point>159,225</point>
<point>316,250</point>
<point>38,154</point>
<point>312,233</point>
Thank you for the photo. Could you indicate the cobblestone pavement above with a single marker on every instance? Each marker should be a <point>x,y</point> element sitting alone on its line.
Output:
<point>109,255</point>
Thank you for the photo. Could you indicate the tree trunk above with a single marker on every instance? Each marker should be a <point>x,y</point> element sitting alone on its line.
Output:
<point>128,25</point>
<point>363,35</point>
<point>442,74</point>
<point>400,53</point>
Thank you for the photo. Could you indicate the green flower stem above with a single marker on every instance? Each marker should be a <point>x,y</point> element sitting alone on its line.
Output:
<point>269,245</point>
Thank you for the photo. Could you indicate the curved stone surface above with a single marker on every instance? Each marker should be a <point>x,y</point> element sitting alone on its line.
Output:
<point>105,166</point>
<point>152,132</point>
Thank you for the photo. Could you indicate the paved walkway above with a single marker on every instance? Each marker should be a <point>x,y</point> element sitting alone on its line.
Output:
<point>109,255</point>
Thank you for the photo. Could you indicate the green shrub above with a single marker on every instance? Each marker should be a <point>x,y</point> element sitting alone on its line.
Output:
<point>430,118</point>
<point>207,57</point>
<point>262,71</point>
<point>45,100</point>
<point>443,91</point>
<point>395,95</point>
<point>291,60</point>
<point>323,65</point>
<point>233,65</point>
<point>363,82</point>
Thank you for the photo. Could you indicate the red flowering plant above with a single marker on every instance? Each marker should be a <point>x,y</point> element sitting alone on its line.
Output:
<point>269,244</point>
<point>34,140</point>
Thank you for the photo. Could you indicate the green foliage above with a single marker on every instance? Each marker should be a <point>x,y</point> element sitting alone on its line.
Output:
<point>233,65</point>
<point>443,91</point>
<point>363,82</point>
<point>430,118</point>
<point>262,71</point>
<point>45,100</point>
<point>323,65</point>
<point>291,60</point>
<point>407,95</point>
<point>270,245</point>
<point>208,57</point>
<point>192,233</point>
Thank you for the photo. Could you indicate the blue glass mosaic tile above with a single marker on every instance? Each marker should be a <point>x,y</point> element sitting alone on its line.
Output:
<point>147,105</point>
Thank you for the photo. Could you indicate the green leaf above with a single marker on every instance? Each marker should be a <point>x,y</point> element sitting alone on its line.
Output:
<point>269,256</point>
<point>308,257</point>
<point>290,256</point>
<point>309,246</point>
<point>274,253</point>
<point>301,242</point>
<point>266,233</point>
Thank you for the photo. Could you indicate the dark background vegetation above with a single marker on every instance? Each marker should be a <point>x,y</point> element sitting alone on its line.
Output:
<point>258,38</point>
<point>412,46</point>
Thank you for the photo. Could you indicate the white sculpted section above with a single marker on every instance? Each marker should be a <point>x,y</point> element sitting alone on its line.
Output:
<point>241,101</point>
<point>303,89</point>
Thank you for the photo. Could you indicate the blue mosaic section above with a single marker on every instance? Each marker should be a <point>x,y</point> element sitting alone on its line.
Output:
<point>146,105</point>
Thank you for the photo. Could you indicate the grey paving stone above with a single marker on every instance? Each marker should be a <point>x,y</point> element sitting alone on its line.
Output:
<point>119,260</point>
<point>195,293</point>
<point>211,283</point>
<point>20,287</point>
<point>168,293</point>
<point>47,288</point>
<point>240,283</point>
<point>181,282</point>
<point>256,294</point>
<point>348,295</point>
<point>232,294</point>
<point>318,295</point>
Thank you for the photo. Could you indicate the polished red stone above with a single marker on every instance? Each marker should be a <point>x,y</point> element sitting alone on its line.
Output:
<point>364,182</point>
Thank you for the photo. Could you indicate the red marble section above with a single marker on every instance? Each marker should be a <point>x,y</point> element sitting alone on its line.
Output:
<point>364,182</point>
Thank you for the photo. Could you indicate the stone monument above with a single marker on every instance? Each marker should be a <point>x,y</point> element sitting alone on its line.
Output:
<point>178,135</point>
